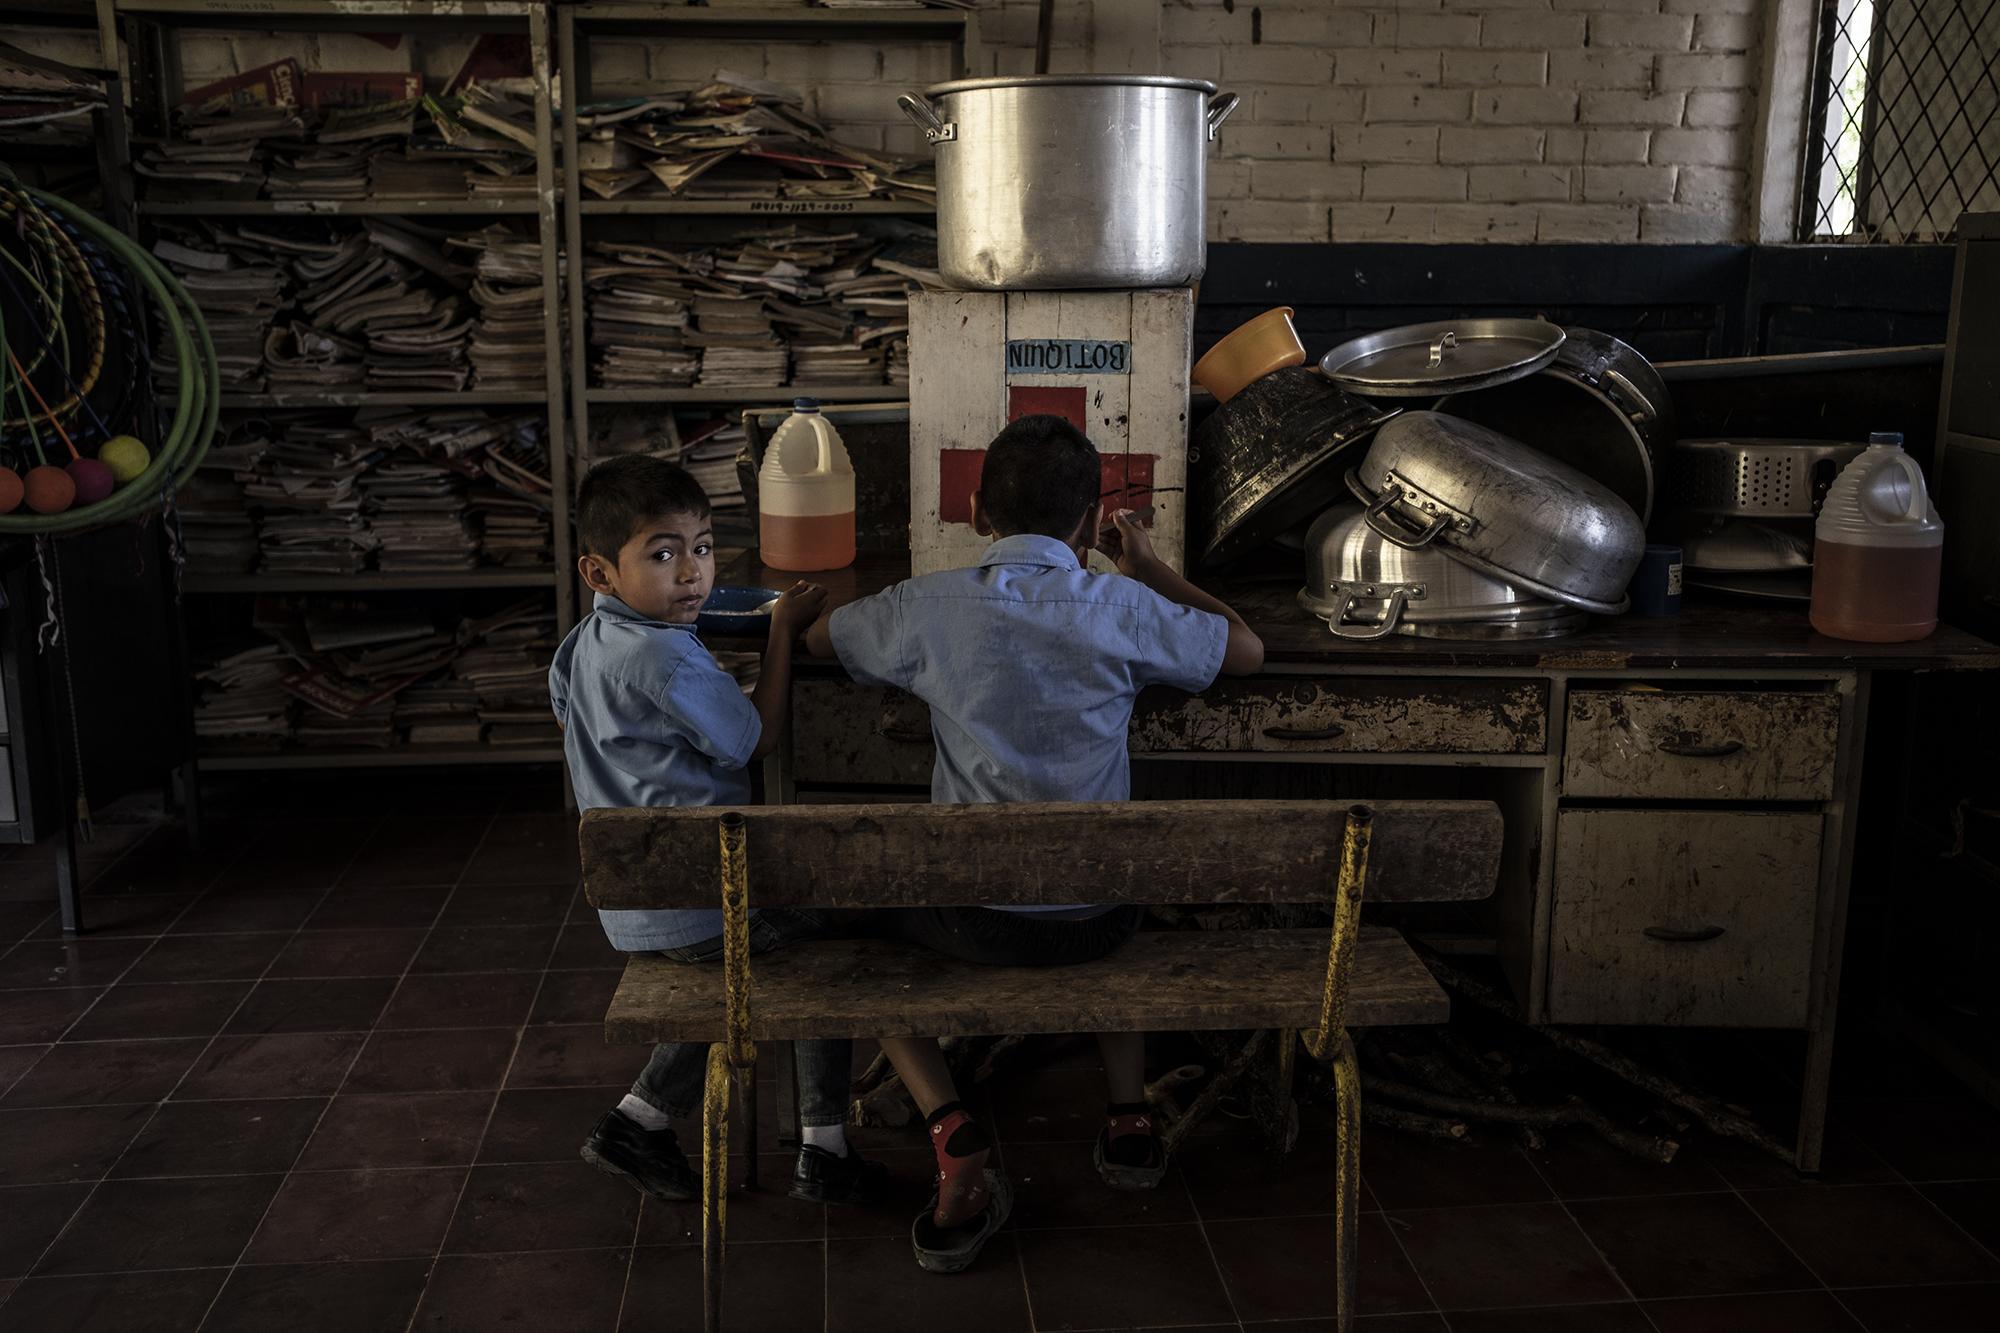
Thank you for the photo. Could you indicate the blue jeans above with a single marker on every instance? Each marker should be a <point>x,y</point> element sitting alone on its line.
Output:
<point>672,1079</point>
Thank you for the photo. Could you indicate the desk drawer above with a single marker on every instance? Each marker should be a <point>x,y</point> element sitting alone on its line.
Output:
<point>1689,918</point>
<point>858,735</point>
<point>1670,745</point>
<point>1340,715</point>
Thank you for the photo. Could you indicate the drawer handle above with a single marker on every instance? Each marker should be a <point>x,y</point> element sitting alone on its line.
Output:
<point>1670,935</point>
<point>1687,751</point>
<point>889,731</point>
<point>1305,733</point>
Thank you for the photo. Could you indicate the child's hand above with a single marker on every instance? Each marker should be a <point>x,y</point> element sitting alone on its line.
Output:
<point>1126,544</point>
<point>797,607</point>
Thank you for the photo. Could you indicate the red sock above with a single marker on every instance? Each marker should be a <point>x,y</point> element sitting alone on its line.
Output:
<point>961,1147</point>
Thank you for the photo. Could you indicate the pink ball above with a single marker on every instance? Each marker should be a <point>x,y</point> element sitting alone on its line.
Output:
<point>11,490</point>
<point>93,480</point>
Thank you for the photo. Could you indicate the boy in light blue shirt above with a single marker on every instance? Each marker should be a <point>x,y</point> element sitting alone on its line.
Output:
<point>1030,664</point>
<point>649,718</point>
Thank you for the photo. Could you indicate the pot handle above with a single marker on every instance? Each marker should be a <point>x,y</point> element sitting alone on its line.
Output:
<point>1382,522</point>
<point>1219,108</point>
<point>936,129</point>
<point>1642,406</point>
<point>1391,615</point>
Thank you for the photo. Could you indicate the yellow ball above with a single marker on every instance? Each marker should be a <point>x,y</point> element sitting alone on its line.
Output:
<point>125,456</point>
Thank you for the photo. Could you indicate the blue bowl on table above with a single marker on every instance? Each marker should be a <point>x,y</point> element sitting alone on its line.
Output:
<point>737,611</point>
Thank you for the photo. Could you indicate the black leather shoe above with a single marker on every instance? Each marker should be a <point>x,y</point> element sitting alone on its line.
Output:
<point>821,1177</point>
<point>649,1160</point>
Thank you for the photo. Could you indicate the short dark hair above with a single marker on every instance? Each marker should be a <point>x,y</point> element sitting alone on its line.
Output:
<point>1041,476</point>
<point>620,494</point>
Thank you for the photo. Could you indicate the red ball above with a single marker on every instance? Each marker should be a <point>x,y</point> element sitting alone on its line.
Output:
<point>11,490</point>
<point>50,490</point>
<point>93,480</point>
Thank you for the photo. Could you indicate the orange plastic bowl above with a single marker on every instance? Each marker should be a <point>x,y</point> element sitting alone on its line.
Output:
<point>1249,352</point>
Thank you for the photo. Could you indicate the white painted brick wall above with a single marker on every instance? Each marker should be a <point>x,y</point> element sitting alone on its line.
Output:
<point>1377,120</point>
<point>1490,120</point>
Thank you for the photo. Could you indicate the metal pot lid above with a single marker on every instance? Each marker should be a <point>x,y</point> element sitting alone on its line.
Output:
<point>1068,81</point>
<point>1451,356</point>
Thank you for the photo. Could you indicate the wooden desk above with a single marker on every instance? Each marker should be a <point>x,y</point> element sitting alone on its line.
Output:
<point>1680,795</point>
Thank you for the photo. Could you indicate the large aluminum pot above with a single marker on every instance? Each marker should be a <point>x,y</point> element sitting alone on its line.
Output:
<point>1367,587</point>
<point>1501,507</point>
<point>1070,180</point>
<point>1599,406</point>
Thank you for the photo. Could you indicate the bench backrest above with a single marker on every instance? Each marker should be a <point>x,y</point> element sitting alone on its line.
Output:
<point>1141,852</point>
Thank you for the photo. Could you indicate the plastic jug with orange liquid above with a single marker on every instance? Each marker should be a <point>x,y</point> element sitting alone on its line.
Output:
<point>805,495</point>
<point>1878,549</point>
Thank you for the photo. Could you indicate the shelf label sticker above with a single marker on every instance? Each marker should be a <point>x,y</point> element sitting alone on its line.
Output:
<point>1068,356</point>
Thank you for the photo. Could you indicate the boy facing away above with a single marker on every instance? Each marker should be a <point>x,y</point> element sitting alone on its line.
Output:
<point>1030,664</point>
<point>648,719</point>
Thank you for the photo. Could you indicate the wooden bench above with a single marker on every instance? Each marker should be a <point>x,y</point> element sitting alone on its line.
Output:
<point>1313,982</point>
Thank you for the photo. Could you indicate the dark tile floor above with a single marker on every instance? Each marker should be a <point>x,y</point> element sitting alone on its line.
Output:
<point>332,1075</point>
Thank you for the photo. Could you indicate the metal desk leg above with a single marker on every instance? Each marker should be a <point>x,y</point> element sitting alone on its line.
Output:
<point>788,1096</point>
<point>68,884</point>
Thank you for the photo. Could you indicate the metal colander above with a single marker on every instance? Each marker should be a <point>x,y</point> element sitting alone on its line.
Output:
<point>1758,478</point>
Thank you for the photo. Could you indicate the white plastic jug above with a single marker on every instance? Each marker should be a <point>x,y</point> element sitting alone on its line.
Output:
<point>805,495</point>
<point>1878,550</point>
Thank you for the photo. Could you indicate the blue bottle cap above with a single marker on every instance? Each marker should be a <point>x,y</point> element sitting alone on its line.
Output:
<point>812,405</point>
<point>1894,437</point>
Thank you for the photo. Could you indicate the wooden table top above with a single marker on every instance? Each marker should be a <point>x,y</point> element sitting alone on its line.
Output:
<point>1713,631</point>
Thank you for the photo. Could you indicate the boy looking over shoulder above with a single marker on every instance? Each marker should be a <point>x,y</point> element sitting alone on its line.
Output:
<point>648,719</point>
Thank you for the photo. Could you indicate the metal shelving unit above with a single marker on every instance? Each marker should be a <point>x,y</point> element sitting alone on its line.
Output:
<point>373,580</point>
<point>784,393</point>
<point>332,208</point>
<point>150,28</point>
<point>774,208</point>
<point>576,25</point>
<point>242,402</point>
<point>407,756</point>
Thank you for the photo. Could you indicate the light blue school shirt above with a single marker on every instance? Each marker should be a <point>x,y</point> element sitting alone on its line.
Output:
<point>1030,665</point>
<point>649,718</point>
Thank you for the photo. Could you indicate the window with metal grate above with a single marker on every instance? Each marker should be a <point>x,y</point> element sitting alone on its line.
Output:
<point>1904,127</point>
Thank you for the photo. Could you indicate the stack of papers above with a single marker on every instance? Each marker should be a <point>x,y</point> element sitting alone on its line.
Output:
<point>243,704</point>
<point>638,300</point>
<point>507,350</point>
<point>350,674</point>
<point>239,289</point>
<point>44,101</point>
<point>769,308</point>
<point>217,155</point>
<point>735,138</point>
<point>398,491</point>
<point>267,141</point>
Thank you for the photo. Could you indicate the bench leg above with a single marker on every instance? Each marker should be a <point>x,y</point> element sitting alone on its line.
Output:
<point>1347,1182</point>
<point>714,1183</point>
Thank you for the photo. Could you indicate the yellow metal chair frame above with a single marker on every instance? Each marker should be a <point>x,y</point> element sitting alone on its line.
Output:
<point>734,1060</point>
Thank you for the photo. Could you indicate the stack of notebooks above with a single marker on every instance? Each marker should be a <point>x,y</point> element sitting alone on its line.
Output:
<point>44,102</point>
<point>239,287</point>
<point>638,300</point>
<point>394,490</point>
<point>242,703</point>
<point>507,351</point>
<point>735,138</point>
<point>373,136</point>
<point>350,675</point>
<point>773,307</point>
<point>394,306</point>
